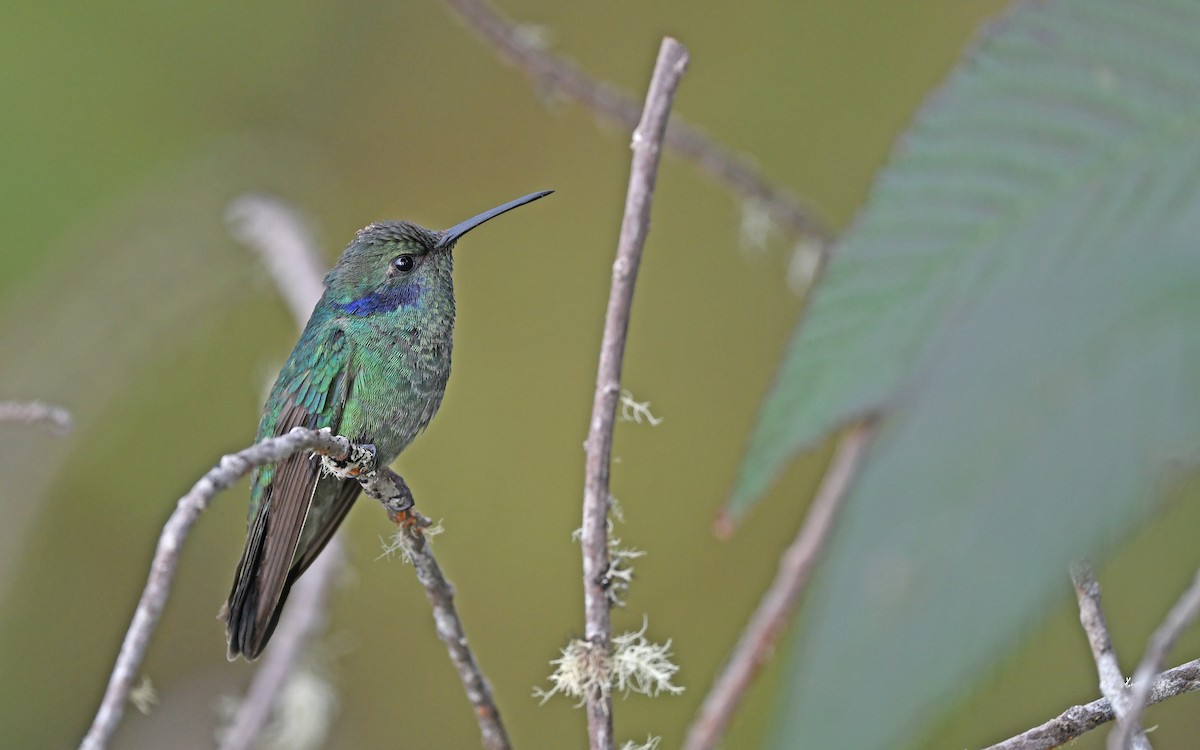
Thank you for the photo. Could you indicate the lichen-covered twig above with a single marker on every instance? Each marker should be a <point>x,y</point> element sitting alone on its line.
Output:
<point>1091,616</point>
<point>1079,720</point>
<point>554,75</point>
<point>647,146</point>
<point>33,412</point>
<point>1178,619</point>
<point>795,570</point>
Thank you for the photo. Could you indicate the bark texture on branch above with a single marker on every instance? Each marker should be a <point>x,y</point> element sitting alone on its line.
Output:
<point>647,149</point>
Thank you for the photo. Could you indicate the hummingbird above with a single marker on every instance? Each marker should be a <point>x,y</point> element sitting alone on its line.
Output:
<point>372,365</point>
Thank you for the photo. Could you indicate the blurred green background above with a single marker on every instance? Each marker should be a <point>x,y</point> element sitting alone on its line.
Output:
<point>127,129</point>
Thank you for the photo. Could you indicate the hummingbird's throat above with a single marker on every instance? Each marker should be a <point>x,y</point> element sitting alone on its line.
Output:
<point>385,300</point>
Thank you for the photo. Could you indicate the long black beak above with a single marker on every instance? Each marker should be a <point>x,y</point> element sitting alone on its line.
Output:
<point>451,235</point>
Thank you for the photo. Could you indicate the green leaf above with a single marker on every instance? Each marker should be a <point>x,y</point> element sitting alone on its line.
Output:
<point>1021,299</point>
<point>1054,101</point>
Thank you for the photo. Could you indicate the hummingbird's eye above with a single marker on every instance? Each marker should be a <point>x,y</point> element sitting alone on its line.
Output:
<point>404,263</point>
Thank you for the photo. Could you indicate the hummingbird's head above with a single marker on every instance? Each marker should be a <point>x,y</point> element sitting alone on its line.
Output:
<point>388,266</point>
<point>396,264</point>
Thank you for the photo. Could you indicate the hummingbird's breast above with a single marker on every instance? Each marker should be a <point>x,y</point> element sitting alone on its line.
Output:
<point>403,370</point>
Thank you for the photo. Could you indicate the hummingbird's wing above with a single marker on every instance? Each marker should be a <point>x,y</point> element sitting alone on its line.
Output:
<point>296,508</point>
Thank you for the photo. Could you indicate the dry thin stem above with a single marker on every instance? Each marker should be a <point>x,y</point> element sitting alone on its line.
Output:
<point>440,594</point>
<point>795,570</point>
<point>554,75</point>
<point>166,557</point>
<point>281,237</point>
<point>1078,720</point>
<point>33,412</point>
<point>647,146</point>
<point>1091,616</point>
<point>1178,619</point>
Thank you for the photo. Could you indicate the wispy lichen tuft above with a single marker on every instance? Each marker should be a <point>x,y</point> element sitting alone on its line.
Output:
<point>144,697</point>
<point>635,665</point>
<point>619,574</point>
<point>637,411</point>
<point>643,667</point>
<point>582,668</point>
<point>651,743</point>
<point>302,716</point>
<point>394,545</point>
<point>757,228</point>
<point>804,264</point>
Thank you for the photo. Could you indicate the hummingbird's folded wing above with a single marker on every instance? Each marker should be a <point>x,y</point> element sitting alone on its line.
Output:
<point>311,392</point>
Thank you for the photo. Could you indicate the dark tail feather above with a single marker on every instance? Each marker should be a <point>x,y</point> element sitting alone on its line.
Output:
<point>249,621</point>
<point>262,581</point>
<point>239,610</point>
<point>247,635</point>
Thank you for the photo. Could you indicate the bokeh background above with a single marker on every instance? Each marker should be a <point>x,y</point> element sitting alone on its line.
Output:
<point>127,129</point>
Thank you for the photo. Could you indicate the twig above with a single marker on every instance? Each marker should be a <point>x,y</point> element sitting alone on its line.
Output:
<point>166,557</point>
<point>281,237</point>
<point>1178,619</point>
<point>1091,616</point>
<point>440,594</point>
<point>795,570</point>
<point>555,75</point>
<point>1078,720</point>
<point>389,488</point>
<point>647,140</point>
<point>31,412</point>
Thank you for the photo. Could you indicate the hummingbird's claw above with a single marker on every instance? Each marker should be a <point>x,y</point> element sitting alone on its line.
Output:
<point>361,461</point>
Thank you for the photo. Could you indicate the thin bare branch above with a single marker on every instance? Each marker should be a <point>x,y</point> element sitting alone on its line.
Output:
<point>166,557</point>
<point>1091,616</point>
<point>775,609</point>
<point>555,75</point>
<point>1078,720</point>
<point>1182,615</point>
<point>33,412</point>
<point>440,594</point>
<point>647,147</point>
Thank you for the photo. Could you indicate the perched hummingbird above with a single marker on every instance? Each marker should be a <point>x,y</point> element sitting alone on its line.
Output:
<point>372,365</point>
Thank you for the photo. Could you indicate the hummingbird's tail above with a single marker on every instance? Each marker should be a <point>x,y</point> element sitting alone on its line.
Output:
<point>247,629</point>
<point>274,558</point>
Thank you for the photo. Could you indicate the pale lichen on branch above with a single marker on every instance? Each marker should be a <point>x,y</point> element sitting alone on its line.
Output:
<point>35,412</point>
<point>634,665</point>
<point>637,411</point>
<point>635,225</point>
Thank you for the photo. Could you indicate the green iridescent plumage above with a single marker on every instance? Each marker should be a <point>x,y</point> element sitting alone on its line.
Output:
<point>371,364</point>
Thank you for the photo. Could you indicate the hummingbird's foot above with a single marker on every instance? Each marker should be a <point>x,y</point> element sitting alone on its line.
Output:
<point>360,461</point>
